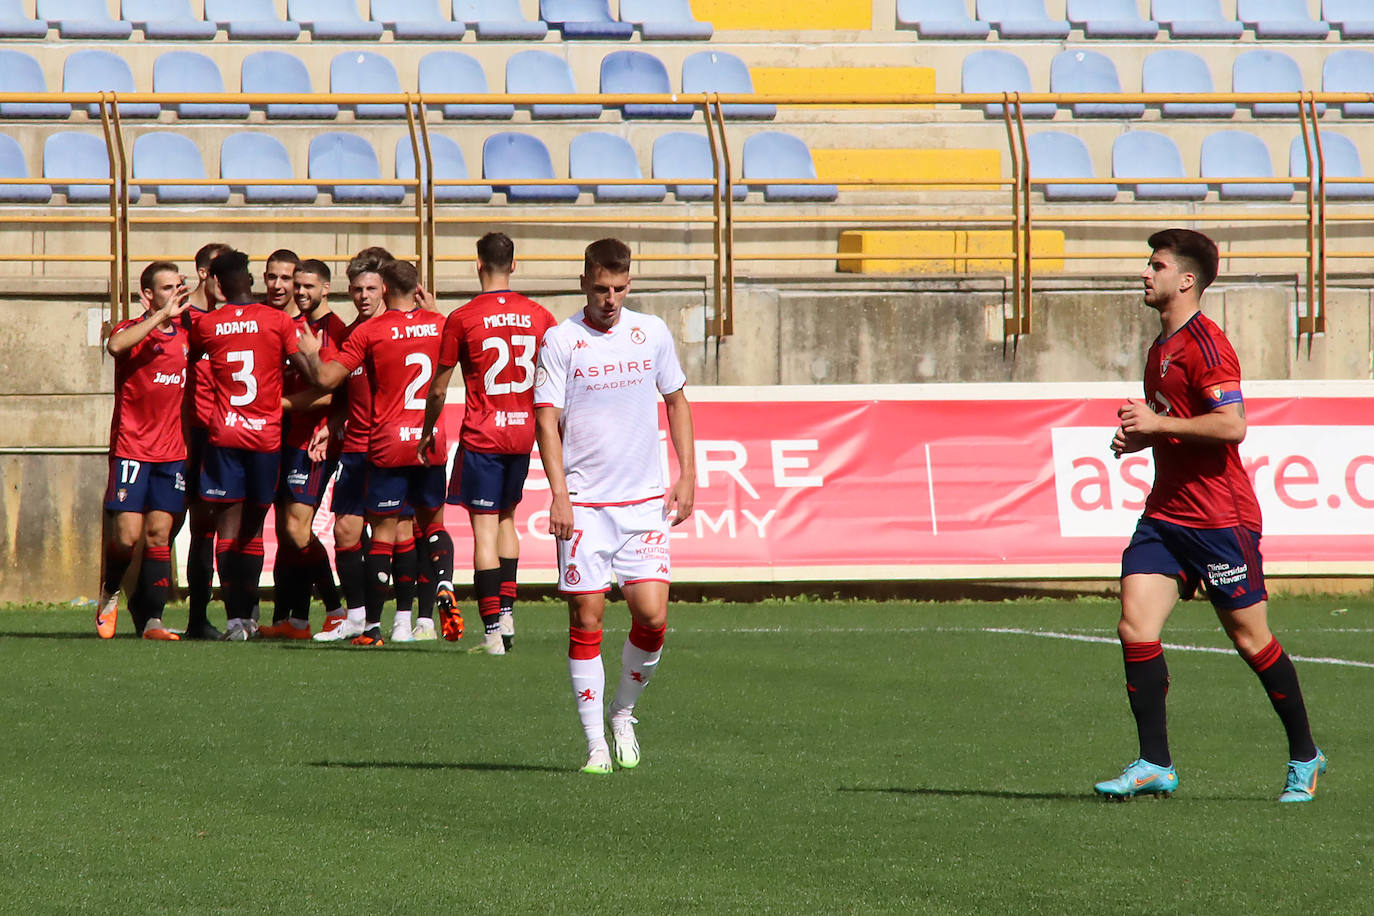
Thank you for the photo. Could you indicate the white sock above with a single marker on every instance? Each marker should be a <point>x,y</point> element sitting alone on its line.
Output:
<point>402,619</point>
<point>357,615</point>
<point>588,678</point>
<point>153,623</point>
<point>636,667</point>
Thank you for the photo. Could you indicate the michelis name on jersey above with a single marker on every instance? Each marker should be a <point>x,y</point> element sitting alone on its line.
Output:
<point>507,320</point>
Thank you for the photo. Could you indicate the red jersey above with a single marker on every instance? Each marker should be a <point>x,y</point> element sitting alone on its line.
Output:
<point>247,345</point>
<point>496,338</point>
<point>300,425</point>
<point>398,351</point>
<point>149,384</point>
<point>357,391</point>
<point>202,384</point>
<point>1192,372</point>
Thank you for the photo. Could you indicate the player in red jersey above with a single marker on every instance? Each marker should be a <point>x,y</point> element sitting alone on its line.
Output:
<point>495,338</point>
<point>146,492</point>
<point>1201,525</point>
<point>398,350</point>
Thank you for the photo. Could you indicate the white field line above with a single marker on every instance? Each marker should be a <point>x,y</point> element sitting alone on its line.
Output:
<point>1177,647</point>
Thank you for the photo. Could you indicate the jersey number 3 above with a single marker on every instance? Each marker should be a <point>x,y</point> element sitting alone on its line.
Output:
<point>524,360</point>
<point>245,376</point>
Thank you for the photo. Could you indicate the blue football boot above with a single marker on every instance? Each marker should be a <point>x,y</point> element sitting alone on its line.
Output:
<point>1140,778</point>
<point>1301,784</point>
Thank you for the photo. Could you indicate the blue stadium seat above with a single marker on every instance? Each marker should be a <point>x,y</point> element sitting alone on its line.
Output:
<point>1146,154</point>
<point>1089,71</point>
<point>13,165</point>
<point>583,19</point>
<point>1173,70</point>
<point>366,72</point>
<point>1340,159</point>
<point>939,19</point>
<point>167,19</point>
<point>1268,71</point>
<point>596,154</point>
<point>93,70</point>
<point>498,19</point>
<point>416,19</point>
<point>638,72</point>
<point>250,20</point>
<point>68,155</point>
<point>1058,155</point>
<point>513,155</point>
<point>1194,19</point>
<point>20,72</point>
<point>1284,19</point>
<point>1353,18</point>
<point>189,71</point>
<point>449,165</point>
<point>1237,154</point>
<point>332,19</point>
<point>773,154</point>
<point>452,72</point>
<point>1110,19</point>
<point>334,156</point>
<point>280,71</point>
<point>998,71</point>
<point>1021,19</point>
<point>677,155</point>
<point>259,155</point>
<point>669,20</point>
<point>1350,70</point>
<point>15,23</point>
<point>720,71</point>
<point>82,19</point>
<point>163,154</point>
<point>542,72</point>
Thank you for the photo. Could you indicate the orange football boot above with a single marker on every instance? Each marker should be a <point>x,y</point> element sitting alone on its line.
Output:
<point>165,635</point>
<point>450,617</point>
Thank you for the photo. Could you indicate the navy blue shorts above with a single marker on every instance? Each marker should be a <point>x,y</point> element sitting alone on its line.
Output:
<point>488,481</point>
<point>1225,561</point>
<point>302,480</point>
<point>146,486</point>
<point>351,486</point>
<point>390,489</point>
<point>231,475</point>
<point>195,454</point>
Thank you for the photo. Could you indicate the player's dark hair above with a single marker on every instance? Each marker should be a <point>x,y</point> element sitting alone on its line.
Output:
<point>401,277</point>
<point>1197,251</point>
<point>314,266</point>
<point>231,270</point>
<point>367,261</point>
<point>611,255</point>
<point>497,251</point>
<point>209,252</point>
<point>284,256</point>
<point>149,275</point>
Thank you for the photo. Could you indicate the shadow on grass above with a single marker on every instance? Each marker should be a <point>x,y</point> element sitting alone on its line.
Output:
<point>434,765</point>
<point>976,793</point>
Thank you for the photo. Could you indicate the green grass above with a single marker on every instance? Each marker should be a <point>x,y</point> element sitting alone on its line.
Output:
<point>799,757</point>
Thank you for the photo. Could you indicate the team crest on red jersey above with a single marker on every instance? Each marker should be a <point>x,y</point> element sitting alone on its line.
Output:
<point>572,576</point>
<point>637,335</point>
<point>1164,365</point>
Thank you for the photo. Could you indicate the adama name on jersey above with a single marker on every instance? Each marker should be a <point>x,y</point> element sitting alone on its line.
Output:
<point>507,320</point>
<point>248,326</point>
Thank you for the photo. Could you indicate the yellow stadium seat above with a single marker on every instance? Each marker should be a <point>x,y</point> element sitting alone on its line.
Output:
<point>898,165</point>
<point>789,15</point>
<point>943,251</point>
<point>843,81</point>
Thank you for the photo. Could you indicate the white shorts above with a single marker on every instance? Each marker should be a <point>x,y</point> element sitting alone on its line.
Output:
<point>627,542</point>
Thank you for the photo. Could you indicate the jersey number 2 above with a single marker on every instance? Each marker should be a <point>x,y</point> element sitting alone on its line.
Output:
<point>415,391</point>
<point>524,359</point>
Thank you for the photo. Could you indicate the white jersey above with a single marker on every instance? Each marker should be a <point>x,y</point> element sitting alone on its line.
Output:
<point>608,384</point>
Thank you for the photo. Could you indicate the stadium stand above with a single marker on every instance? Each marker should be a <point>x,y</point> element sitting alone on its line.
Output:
<point>1353,18</point>
<point>1263,70</point>
<point>1175,70</point>
<point>498,19</point>
<point>1088,71</point>
<point>20,72</point>
<point>542,72</point>
<point>336,156</point>
<point>584,19</point>
<point>83,19</point>
<point>597,154</point>
<point>13,165</point>
<point>279,71</point>
<point>940,19</point>
<point>512,155</point>
<point>15,23</point>
<point>1340,159</point>
<point>70,154</point>
<point>167,19</point>
<point>843,80</point>
<point>1054,154</point>
<point>250,20</point>
<point>1281,19</point>
<point>664,20</point>
<point>1109,19</point>
<point>190,71</point>
<point>259,155</point>
<point>999,71</point>
<point>94,70</point>
<point>639,72</point>
<point>449,165</point>
<point>1021,19</point>
<point>455,72</point>
<point>897,168</point>
<point>1148,154</point>
<point>772,155</point>
<point>332,20</point>
<point>1201,19</point>
<point>720,71</point>
<point>364,72</point>
<point>163,154</point>
<point>418,20</point>
<point>945,250</point>
<point>1350,70</point>
<point>1237,154</point>
<point>679,154</point>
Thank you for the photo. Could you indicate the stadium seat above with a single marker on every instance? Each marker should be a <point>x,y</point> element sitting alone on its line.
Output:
<point>771,155</point>
<point>513,155</point>
<point>1146,154</point>
<point>416,19</point>
<point>163,154</point>
<point>583,19</point>
<point>1237,154</point>
<point>1340,159</point>
<point>13,165</point>
<point>92,70</point>
<point>601,155</point>
<point>1194,19</point>
<point>679,154</point>
<point>334,156</point>
<point>999,71</point>
<point>68,155</point>
<point>449,165</point>
<point>332,19</point>
<point>1058,155</point>
<point>250,20</point>
<point>1021,19</point>
<point>280,71</point>
<point>15,23</point>
<point>366,72</point>
<point>669,20</point>
<point>189,71</point>
<point>1350,70</point>
<point>19,72</point>
<point>498,19</point>
<point>720,71</point>
<point>627,72</point>
<point>1173,70</point>
<point>1110,19</point>
<point>452,72</point>
<point>173,19</point>
<point>939,19</point>
<point>1268,71</point>
<point>82,19</point>
<point>542,72</point>
<point>1089,71</point>
<point>259,155</point>
<point>1283,19</point>
<point>1353,18</point>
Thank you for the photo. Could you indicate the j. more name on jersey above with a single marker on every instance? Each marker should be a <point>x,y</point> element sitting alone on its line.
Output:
<point>413,331</point>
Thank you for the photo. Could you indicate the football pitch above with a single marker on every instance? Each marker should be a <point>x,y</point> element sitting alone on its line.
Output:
<point>799,757</point>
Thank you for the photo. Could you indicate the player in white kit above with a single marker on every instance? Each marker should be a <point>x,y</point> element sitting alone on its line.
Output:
<point>600,375</point>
